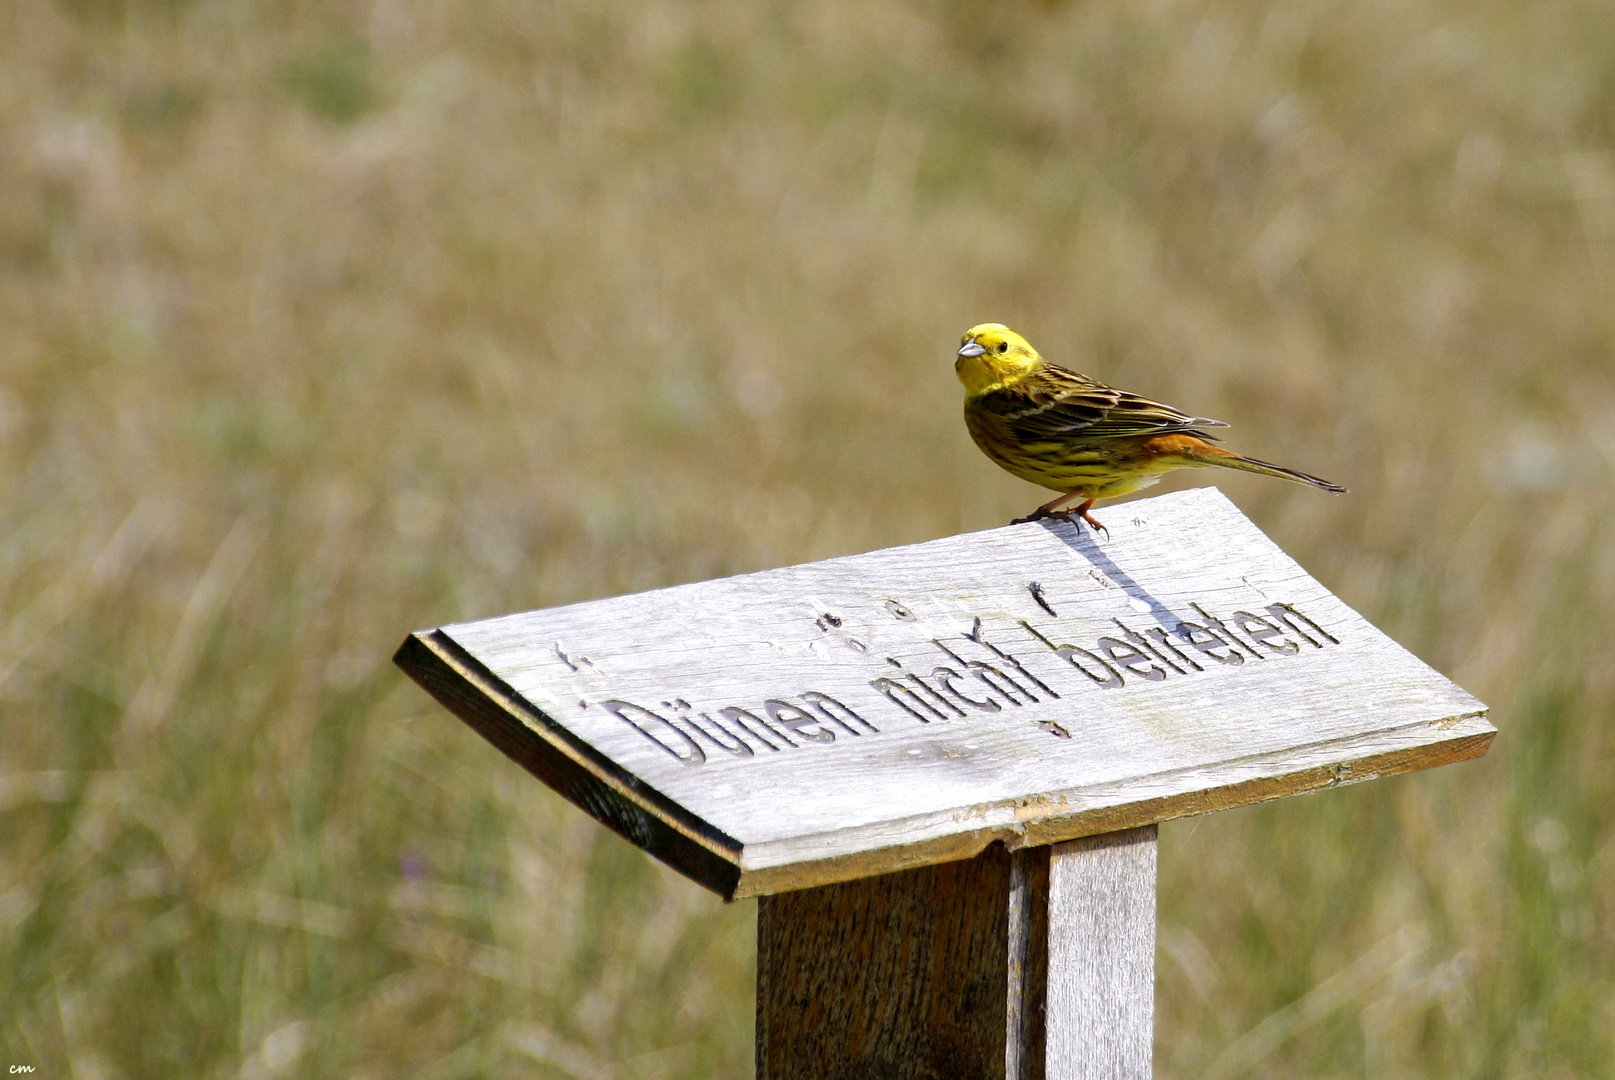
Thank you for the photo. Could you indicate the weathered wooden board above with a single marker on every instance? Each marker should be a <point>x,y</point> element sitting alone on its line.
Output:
<point>901,976</point>
<point>1029,684</point>
<point>1100,997</point>
<point>1032,965</point>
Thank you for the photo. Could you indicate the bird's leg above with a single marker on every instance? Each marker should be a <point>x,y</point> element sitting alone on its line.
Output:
<point>1047,510</point>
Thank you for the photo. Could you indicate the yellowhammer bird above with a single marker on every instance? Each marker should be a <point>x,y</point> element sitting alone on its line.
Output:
<point>1049,425</point>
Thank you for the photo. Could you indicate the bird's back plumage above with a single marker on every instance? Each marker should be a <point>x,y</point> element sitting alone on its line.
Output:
<point>1057,403</point>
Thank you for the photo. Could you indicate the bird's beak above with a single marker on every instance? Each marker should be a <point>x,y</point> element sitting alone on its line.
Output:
<point>972,348</point>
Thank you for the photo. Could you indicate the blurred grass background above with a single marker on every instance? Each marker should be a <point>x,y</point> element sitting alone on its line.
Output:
<point>325,321</point>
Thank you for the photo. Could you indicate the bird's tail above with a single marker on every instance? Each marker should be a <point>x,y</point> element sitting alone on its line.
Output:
<point>1188,446</point>
<point>1234,461</point>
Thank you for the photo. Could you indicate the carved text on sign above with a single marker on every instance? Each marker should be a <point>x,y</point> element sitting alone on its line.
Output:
<point>958,686</point>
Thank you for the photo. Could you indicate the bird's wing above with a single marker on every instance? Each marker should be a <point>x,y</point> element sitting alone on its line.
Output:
<point>1059,404</point>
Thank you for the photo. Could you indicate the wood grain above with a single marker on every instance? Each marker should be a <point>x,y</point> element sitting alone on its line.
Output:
<point>1028,963</point>
<point>1100,999</point>
<point>905,707</point>
<point>905,976</point>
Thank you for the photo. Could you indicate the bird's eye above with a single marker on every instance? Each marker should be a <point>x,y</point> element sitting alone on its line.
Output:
<point>1003,346</point>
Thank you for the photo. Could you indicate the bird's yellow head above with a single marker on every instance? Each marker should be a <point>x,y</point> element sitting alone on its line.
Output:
<point>992,355</point>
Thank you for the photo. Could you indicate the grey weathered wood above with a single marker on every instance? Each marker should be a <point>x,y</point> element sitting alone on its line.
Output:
<point>1028,933</point>
<point>1032,965</point>
<point>897,977</point>
<point>740,729</point>
<point>1101,950</point>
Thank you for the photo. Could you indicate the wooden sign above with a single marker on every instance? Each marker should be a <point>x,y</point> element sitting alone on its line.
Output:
<point>907,707</point>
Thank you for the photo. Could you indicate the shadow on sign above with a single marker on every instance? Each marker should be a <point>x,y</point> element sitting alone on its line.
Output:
<point>1106,571</point>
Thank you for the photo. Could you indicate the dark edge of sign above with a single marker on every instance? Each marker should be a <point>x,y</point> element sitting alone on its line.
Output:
<point>618,800</point>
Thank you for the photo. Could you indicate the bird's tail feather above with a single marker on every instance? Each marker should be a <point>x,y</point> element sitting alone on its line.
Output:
<point>1245,464</point>
<point>1190,447</point>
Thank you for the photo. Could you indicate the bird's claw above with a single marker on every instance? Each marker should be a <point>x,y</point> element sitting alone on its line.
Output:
<point>1082,515</point>
<point>1043,513</point>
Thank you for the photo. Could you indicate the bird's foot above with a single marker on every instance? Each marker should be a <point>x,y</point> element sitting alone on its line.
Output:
<point>1040,514</point>
<point>1081,513</point>
<point>1043,513</point>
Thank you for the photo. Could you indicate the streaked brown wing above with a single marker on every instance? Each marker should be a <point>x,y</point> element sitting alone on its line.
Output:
<point>1058,404</point>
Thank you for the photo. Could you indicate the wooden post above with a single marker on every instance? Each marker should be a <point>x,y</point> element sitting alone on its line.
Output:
<point>898,976</point>
<point>941,766</point>
<point>1036,965</point>
<point>1101,945</point>
<point>1028,964</point>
